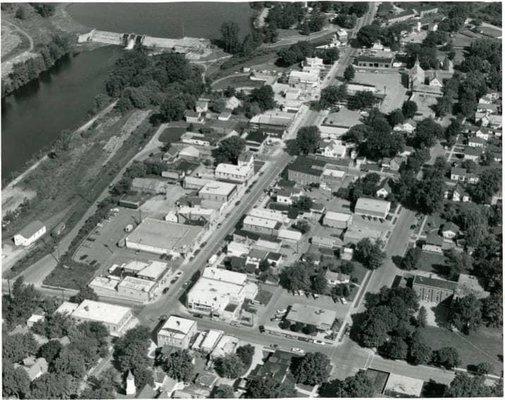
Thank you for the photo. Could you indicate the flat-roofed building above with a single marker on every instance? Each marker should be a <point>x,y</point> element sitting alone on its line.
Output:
<point>117,319</point>
<point>273,123</point>
<point>161,237</point>
<point>218,191</point>
<point>105,285</point>
<point>372,207</point>
<point>403,386</point>
<point>321,318</point>
<point>136,289</point>
<point>235,173</point>
<point>433,290</point>
<point>149,185</point>
<point>371,60</point>
<point>261,225</point>
<point>191,182</point>
<point>196,215</point>
<point>211,339</point>
<point>290,235</point>
<point>306,170</point>
<point>220,293</point>
<point>326,242</point>
<point>355,233</point>
<point>195,138</point>
<point>30,234</point>
<point>226,345</point>
<point>310,78</point>
<point>177,332</point>
<point>267,213</point>
<point>337,219</point>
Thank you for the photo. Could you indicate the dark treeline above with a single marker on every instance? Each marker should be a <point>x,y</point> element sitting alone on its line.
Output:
<point>30,69</point>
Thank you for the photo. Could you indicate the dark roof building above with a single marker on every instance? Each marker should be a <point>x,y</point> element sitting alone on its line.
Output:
<point>433,290</point>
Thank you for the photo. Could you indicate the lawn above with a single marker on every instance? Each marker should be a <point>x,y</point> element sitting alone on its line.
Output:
<point>263,296</point>
<point>432,262</point>
<point>482,346</point>
<point>171,134</point>
<point>72,276</point>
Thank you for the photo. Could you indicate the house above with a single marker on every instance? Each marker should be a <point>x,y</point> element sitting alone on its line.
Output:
<point>34,318</point>
<point>334,149</point>
<point>372,208</point>
<point>35,367</point>
<point>177,332</point>
<point>384,190</point>
<point>483,133</point>
<point>193,117</point>
<point>195,138</point>
<point>433,290</point>
<point>458,174</point>
<point>459,194</point>
<point>433,243</point>
<point>30,234</point>
<point>313,63</point>
<point>472,153</point>
<point>408,127</point>
<point>224,116</point>
<point>287,195</point>
<point>450,230</point>
<point>434,78</point>
<point>337,219</point>
<point>232,103</point>
<point>392,164</point>
<point>201,106</point>
<point>336,278</point>
<point>476,142</point>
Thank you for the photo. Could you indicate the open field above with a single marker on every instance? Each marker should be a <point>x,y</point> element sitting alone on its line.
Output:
<point>13,42</point>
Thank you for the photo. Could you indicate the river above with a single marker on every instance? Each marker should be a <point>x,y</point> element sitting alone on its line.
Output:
<point>34,115</point>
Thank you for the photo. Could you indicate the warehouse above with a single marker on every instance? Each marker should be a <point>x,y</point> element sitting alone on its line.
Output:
<point>218,191</point>
<point>161,237</point>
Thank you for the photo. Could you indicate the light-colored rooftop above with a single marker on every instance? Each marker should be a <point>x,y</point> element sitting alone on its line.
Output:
<point>311,315</point>
<point>242,170</point>
<point>29,230</point>
<point>153,270</point>
<point>211,339</point>
<point>268,214</point>
<point>99,311</point>
<point>217,188</point>
<point>175,326</point>
<point>290,234</point>
<point>67,307</point>
<point>104,282</point>
<point>379,206</point>
<point>262,222</point>
<point>404,385</point>
<point>223,275</point>
<point>338,216</point>
<point>138,284</point>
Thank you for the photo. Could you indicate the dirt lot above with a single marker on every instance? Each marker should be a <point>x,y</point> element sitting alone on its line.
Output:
<point>388,82</point>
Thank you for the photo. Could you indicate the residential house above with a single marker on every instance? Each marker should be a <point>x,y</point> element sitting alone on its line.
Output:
<point>450,230</point>
<point>472,153</point>
<point>337,219</point>
<point>193,117</point>
<point>384,190</point>
<point>433,243</point>
<point>337,278</point>
<point>459,194</point>
<point>476,142</point>
<point>287,195</point>
<point>334,149</point>
<point>201,106</point>
<point>35,367</point>
<point>30,234</point>
<point>458,174</point>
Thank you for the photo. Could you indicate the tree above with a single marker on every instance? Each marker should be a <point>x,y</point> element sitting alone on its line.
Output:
<point>447,357</point>
<point>357,133</point>
<point>21,304</point>
<point>172,109</point>
<point>396,117</point>
<point>492,310</point>
<point>51,386</point>
<point>331,95</point>
<point>349,73</point>
<point>269,388</point>
<point>143,376</point>
<point>373,332</point>
<point>179,365</point>
<point>246,354</point>
<point>229,149</point>
<point>223,392</point>
<point>264,97</point>
<point>103,387</point>
<point>295,277</point>
<point>358,385</point>
<point>409,109</point>
<point>427,132</point>
<point>319,283</point>
<point>230,366</point>
<point>464,385</point>
<point>307,139</point>
<point>130,350</point>
<point>302,226</point>
<point>312,369</point>
<point>50,350</point>
<point>70,362</point>
<point>466,313</point>
<point>368,35</point>
<point>53,326</point>
<point>396,348</point>
<point>329,55</point>
<point>18,346</point>
<point>369,254</point>
<point>411,258</point>
<point>229,37</point>
<point>295,53</point>
<point>361,100</point>
<point>421,317</point>
<point>419,351</point>
<point>481,369</point>
<point>487,186</point>
<point>15,381</point>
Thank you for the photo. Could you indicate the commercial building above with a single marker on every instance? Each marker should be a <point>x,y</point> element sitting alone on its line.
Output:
<point>210,340</point>
<point>403,386</point>
<point>273,123</point>
<point>218,191</point>
<point>337,219</point>
<point>261,225</point>
<point>234,173</point>
<point>161,237</point>
<point>355,233</point>
<point>290,235</point>
<point>372,60</point>
<point>30,234</point>
<point>321,318</point>
<point>177,332</point>
<point>136,289</point>
<point>117,319</point>
<point>372,208</point>
<point>433,290</point>
<point>196,215</point>
<point>308,78</point>
<point>306,170</point>
<point>220,293</point>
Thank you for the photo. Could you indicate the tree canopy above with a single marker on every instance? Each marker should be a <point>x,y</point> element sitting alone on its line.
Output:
<point>229,149</point>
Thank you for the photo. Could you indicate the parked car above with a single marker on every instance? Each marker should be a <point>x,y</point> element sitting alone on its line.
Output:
<point>319,342</point>
<point>165,290</point>
<point>262,328</point>
<point>297,350</point>
<point>343,300</point>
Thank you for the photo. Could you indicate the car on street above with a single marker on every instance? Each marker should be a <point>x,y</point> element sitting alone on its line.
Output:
<point>319,342</point>
<point>297,350</point>
<point>178,273</point>
<point>262,328</point>
<point>343,300</point>
<point>165,290</point>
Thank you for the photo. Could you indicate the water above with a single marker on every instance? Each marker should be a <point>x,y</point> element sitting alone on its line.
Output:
<point>173,20</point>
<point>33,117</point>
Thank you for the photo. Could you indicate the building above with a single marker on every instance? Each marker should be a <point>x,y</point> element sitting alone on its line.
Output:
<point>450,230</point>
<point>273,123</point>
<point>355,233</point>
<point>337,278</point>
<point>372,208</point>
<point>337,219</point>
<point>30,234</point>
<point>196,215</point>
<point>306,170</point>
<point>210,340</point>
<point>218,191</point>
<point>433,290</point>
<point>261,225</point>
<point>334,149</point>
<point>326,242</point>
<point>193,117</point>
<point>458,174</point>
<point>290,235</point>
<point>403,386</point>
<point>220,293</point>
<point>201,106</point>
<point>136,289</point>
<point>433,243</point>
<point>375,60</point>
<point>321,318</point>
<point>287,195</point>
<point>304,78</point>
<point>177,332</point>
<point>416,75</point>
<point>402,16</point>
<point>161,237</point>
<point>149,185</point>
<point>117,319</point>
<point>234,173</point>
<point>195,138</point>
<point>35,367</point>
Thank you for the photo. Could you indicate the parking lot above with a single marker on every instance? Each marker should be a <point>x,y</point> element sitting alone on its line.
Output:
<point>388,83</point>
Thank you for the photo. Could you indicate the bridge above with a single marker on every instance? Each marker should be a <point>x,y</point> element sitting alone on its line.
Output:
<point>193,48</point>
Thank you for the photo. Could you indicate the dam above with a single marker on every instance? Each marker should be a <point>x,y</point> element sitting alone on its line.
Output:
<point>192,48</point>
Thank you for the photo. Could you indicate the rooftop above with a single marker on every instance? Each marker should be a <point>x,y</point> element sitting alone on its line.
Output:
<point>338,216</point>
<point>307,165</point>
<point>177,325</point>
<point>99,311</point>
<point>311,315</point>
<point>138,284</point>
<point>223,275</point>
<point>263,222</point>
<point>30,229</point>
<point>375,205</point>
<point>217,188</point>
<point>438,283</point>
<point>153,270</point>
<point>404,385</point>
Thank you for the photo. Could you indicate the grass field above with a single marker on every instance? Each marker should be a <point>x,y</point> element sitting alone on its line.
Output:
<point>482,346</point>
<point>72,276</point>
<point>13,43</point>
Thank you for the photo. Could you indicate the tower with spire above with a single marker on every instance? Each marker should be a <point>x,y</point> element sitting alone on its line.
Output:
<point>416,74</point>
<point>130,384</point>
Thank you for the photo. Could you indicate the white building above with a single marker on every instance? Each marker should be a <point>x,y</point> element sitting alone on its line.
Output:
<point>335,149</point>
<point>372,207</point>
<point>337,278</point>
<point>220,292</point>
<point>290,235</point>
<point>117,319</point>
<point>195,138</point>
<point>303,78</point>
<point>30,234</point>
<point>234,173</point>
<point>337,219</point>
<point>218,191</point>
<point>177,332</point>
